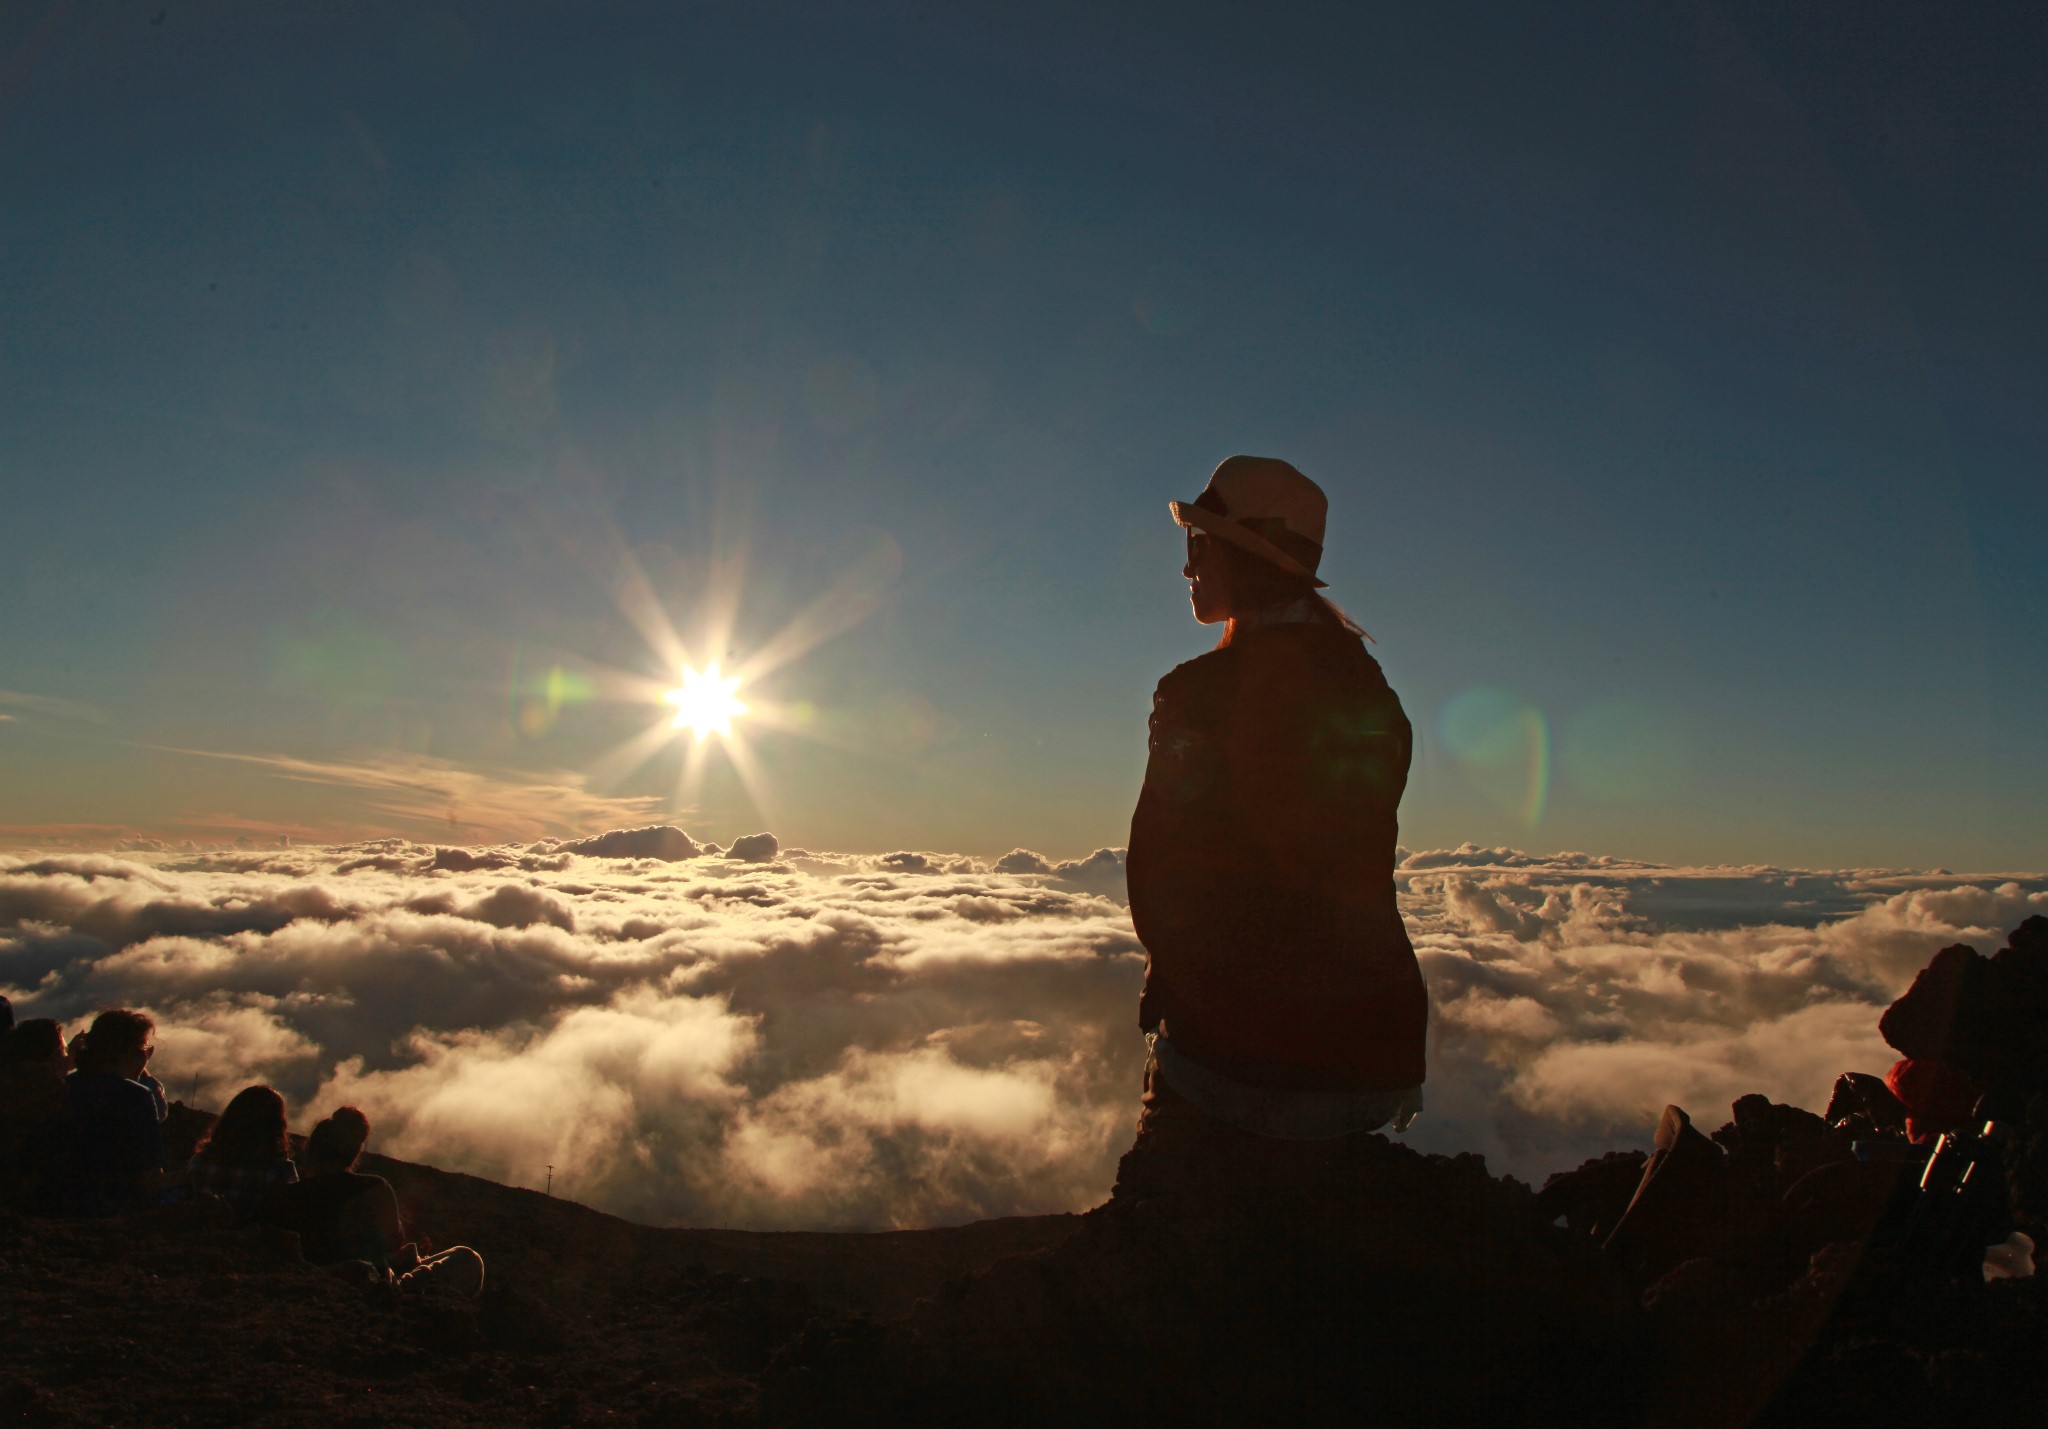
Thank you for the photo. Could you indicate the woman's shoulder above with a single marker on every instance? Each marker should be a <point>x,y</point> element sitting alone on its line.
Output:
<point>1197,684</point>
<point>1205,666</point>
<point>1303,654</point>
<point>104,1089</point>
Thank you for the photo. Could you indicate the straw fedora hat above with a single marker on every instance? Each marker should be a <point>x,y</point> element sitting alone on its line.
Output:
<point>1262,505</point>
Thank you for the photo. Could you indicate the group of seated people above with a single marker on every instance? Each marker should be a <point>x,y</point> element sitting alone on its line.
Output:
<point>81,1135</point>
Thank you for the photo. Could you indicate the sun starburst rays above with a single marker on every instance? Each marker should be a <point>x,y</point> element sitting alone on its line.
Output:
<point>706,703</point>
<point>703,715</point>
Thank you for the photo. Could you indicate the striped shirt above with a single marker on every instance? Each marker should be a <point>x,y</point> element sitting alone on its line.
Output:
<point>247,1188</point>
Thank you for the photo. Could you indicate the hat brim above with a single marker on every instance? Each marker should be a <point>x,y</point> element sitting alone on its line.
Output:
<point>1186,513</point>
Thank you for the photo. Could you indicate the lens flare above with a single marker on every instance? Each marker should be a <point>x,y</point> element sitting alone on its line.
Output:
<point>1503,743</point>
<point>706,702</point>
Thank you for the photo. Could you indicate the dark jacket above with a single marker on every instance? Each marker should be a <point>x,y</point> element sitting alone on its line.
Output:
<point>112,1142</point>
<point>1261,865</point>
<point>340,1215</point>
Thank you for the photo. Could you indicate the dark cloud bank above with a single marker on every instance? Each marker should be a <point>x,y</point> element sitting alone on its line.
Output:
<point>766,1037</point>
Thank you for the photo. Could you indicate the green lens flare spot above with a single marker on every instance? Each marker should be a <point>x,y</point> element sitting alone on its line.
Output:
<point>1502,742</point>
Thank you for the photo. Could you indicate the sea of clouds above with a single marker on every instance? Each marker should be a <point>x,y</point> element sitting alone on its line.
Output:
<point>766,1037</point>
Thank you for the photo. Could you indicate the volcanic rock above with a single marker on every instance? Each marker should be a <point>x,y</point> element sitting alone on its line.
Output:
<point>1229,1280</point>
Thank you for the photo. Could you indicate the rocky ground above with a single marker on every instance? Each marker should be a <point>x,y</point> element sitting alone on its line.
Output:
<point>181,1319</point>
<point>1786,1268</point>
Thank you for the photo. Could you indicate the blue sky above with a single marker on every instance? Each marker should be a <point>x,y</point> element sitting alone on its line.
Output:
<point>1675,373</point>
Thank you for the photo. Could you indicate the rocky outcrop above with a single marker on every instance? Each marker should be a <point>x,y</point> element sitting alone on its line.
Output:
<point>1234,1279</point>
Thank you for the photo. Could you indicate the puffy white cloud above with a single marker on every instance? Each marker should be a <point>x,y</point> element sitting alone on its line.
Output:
<point>1571,1003</point>
<point>1101,872</point>
<point>1022,860</point>
<point>662,841</point>
<point>754,848</point>
<point>917,1037</point>
<point>677,1039</point>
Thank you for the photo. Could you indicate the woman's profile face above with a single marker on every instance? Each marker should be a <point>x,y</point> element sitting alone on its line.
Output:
<point>1208,575</point>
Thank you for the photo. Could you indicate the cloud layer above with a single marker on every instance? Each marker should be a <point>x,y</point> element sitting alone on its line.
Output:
<point>773,1037</point>
<point>1573,997</point>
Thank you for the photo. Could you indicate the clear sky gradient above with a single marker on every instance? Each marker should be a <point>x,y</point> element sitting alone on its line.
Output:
<point>1676,373</point>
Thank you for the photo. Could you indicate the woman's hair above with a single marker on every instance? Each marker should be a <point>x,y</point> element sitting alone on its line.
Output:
<point>249,1130</point>
<point>116,1034</point>
<point>37,1040</point>
<point>334,1144</point>
<point>1257,584</point>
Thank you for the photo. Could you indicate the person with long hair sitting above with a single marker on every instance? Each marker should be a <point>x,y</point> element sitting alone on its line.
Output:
<point>350,1220</point>
<point>246,1155</point>
<point>33,1061</point>
<point>1282,998</point>
<point>114,1161</point>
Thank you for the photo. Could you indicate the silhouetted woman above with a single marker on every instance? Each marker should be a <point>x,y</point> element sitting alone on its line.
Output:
<point>1281,991</point>
<point>33,1062</point>
<point>246,1155</point>
<point>350,1220</point>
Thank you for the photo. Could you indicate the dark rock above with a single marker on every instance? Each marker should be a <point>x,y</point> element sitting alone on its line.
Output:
<point>1946,996</point>
<point>2027,1168</point>
<point>514,1320</point>
<point>445,1325</point>
<point>833,1365</point>
<point>1695,1290</point>
<point>1762,1129</point>
<point>1590,1200</point>
<point>2012,1054</point>
<point>1987,1017</point>
<point>1858,1094</point>
<point>1231,1279</point>
<point>1680,1209</point>
<point>2028,940</point>
<point>1840,1201</point>
<point>1861,1381</point>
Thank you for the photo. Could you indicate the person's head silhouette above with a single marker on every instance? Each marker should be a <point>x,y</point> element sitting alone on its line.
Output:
<point>1255,539</point>
<point>336,1143</point>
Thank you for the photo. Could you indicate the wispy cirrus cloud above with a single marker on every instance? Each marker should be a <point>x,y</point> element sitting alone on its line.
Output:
<point>419,794</point>
<point>16,703</point>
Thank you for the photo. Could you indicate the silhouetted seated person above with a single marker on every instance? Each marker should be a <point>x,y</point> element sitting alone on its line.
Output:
<point>113,1157</point>
<point>147,1080</point>
<point>350,1220</point>
<point>1282,996</point>
<point>33,1062</point>
<point>245,1157</point>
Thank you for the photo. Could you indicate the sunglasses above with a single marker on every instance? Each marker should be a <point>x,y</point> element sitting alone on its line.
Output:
<point>1198,542</point>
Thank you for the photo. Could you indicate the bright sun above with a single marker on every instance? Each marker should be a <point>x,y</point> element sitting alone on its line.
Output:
<point>705,702</point>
